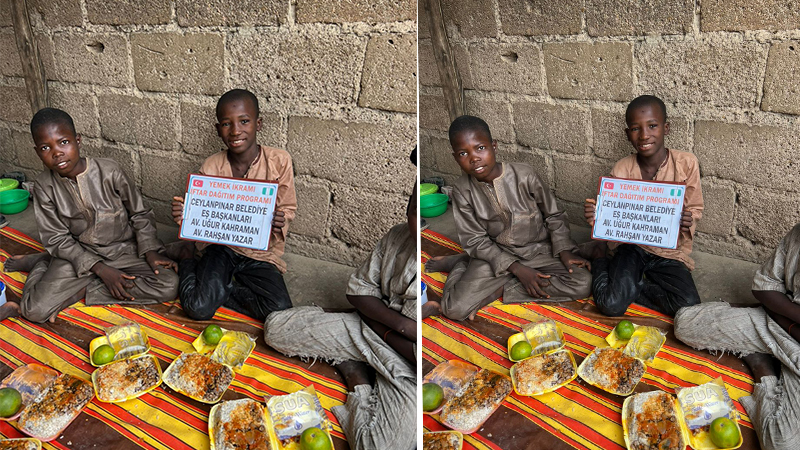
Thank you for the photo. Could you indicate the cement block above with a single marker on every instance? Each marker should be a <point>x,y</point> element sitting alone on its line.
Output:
<point>576,179</point>
<point>574,213</point>
<point>191,63</point>
<point>560,128</point>
<point>762,156</point>
<point>7,152</point>
<point>10,64</point>
<point>506,67</point>
<point>709,73</point>
<point>198,132</point>
<point>371,11</point>
<point>442,155</point>
<point>496,113</point>
<point>609,140</point>
<point>16,107</point>
<point>428,71</point>
<point>765,216</point>
<point>46,52</point>
<point>637,17</point>
<point>389,80</point>
<point>423,20</point>
<point>527,18</point>
<point>55,13</point>
<point>24,150</point>
<point>427,158</point>
<point>720,201</point>
<point>357,154</point>
<point>313,200</point>
<point>148,122</point>
<point>92,58</point>
<point>782,81</point>
<point>97,148</point>
<point>126,12</point>
<point>539,162</point>
<point>433,113</point>
<point>323,66</point>
<point>739,15</point>
<point>161,209</point>
<point>600,71</point>
<point>330,249</point>
<point>192,13</point>
<point>472,18</point>
<point>80,105</point>
<point>732,247</point>
<point>361,217</point>
<point>165,177</point>
<point>5,14</point>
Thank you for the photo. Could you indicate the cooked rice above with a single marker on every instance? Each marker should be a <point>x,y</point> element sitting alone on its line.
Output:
<point>240,425</point>
<point>612,370</point>
<point>440,441</point>
<point>477,401</point>
<point>18,444</point>
<point>126,379</point>
<point>652,421</point>
<point>55,408</point>
<point>540,373</point>
<point>198,376</point>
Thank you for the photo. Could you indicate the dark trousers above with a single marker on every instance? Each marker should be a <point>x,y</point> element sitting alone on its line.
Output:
<point>223,277</point>
<point>633,275</point>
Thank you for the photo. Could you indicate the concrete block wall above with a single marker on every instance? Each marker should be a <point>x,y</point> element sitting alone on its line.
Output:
<point>553,79</point>
<point>336,82</point>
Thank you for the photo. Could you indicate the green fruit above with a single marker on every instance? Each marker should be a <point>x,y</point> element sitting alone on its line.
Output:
<point>212,334</point>
<point>724,432</point>
<point>624,329</point>
<point>432,396</point>
<point>10,402</point>
<point>103,355</point>
<point>521,350</point>
<point>314,439</point>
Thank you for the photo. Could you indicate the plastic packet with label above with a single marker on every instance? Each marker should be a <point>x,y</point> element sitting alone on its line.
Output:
<point>294,413</point>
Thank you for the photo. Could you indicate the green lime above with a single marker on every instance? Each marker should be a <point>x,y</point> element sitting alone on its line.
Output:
<point>432,396</point>
<point>103,355</point>
<point>314,439</point>
<point>212,334</point>
<point>724,432</point>
<point>521,350</point>
<point>624,329</point>
<point>10,402</point>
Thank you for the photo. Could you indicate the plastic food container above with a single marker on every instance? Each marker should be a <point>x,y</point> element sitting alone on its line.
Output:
<point>172,376</point>
<point>29,380</point>
<point>702,404</point>
<point>544,335</point>
<point>551,388</point>
<point>431,437</point>
<point>6,184</point>
<point>645,343</point>
<point>215,421</point>
<point>491,388</point>
<point>110,399</point>
<point>425,189</point>
<point>291,414</point>
<point>32,443</point>
<point>451,376</point>
<point>432,205</point>
<point>626,411</point>
<point>587,374</point>
<point>128,341</point>
<point>13,201</point>
<point>66,393</point>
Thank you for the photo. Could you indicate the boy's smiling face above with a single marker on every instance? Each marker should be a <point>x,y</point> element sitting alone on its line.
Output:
<point>59,149</point>
<point>647,127</point>
<point>475,152</point>
<point>238,125</point>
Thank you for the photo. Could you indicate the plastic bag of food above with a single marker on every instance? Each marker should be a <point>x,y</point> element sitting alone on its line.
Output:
<point>294,413</point>
<point>645,343</point>
<point>234,348</point>
<point>701,405</point>
<point>127,340</point>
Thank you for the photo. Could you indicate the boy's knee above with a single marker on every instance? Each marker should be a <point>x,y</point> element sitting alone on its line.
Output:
<point>32,313</point>
<point>168,282</point>
<point>687,326</point>
<point>582,283</point>
<point>611,307</point>
<point>455,311</point>
<point>197,309</point>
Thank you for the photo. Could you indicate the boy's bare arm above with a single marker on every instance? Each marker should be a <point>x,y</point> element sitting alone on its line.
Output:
<point>399,343</point>
<point>117,281</point>
<point>375,309</point>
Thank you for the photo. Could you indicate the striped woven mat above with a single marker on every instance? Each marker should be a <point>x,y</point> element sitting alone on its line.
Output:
<point>577,415</point>
<point>161,419</point>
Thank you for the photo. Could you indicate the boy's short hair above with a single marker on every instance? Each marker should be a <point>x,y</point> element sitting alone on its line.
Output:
<point>51,115</point>
<point>646,100</point>
<point>464,123</point>
<point>237,94</point>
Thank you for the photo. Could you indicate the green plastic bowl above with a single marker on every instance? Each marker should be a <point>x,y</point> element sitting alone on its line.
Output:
<point>6,184</point>
<point>427,189</point>
<point>13,201</point>
<point>432,205</point>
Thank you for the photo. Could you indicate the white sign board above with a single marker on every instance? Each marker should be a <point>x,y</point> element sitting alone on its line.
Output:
<point>229,211</point>
<point>639,212</point>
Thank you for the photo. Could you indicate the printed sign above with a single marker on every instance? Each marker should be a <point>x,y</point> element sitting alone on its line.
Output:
<point>639,212</point>
<point>229,211</point>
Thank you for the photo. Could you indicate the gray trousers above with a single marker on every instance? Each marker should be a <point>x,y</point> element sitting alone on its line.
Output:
<point>373,418</point>
<point>774,407</point>
<point>469,285</point>
<point>51,283</point>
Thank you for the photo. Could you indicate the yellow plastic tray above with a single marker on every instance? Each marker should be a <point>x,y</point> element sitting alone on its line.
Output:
<point>625,411</point>
<point>103,340</point>
<point>212,422</point>
<point>544,337</point>
<point>166,375</point>
<point>29,380</point>
<point>614,341</point>
<point>451,376</point>
<point>200,345</point>
<point>456,433</point>
<point>139,394</point>
<point>645,343</point>
<point>582,373</point>
<point>34,440</point>
<point>574,375</point>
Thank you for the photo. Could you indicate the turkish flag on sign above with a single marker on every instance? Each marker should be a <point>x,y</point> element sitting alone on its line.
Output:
<point>608,185</point>
<point>197,183</point>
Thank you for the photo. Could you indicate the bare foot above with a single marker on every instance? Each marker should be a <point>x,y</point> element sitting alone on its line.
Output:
<point>355,373</point>
<point>24,263</point>
<point>444,263</point>
<point>761,364</point>
<point>9,309</point>
<point>431,308</point>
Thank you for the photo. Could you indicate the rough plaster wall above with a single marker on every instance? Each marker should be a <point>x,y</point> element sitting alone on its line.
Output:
<point>553,79</point>
<point>336,82</point>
